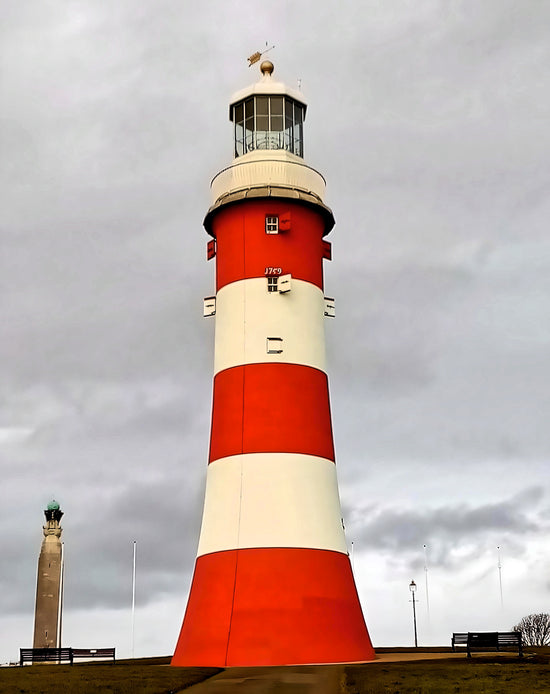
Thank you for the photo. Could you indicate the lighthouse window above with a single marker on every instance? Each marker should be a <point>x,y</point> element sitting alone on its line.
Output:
<point>239,130</point>
<point>276,113</point>
<point>271,225</point>
<point>268,122</point>
<point>272,284</point>
<point>262,113</point>
<point>249,124</point>
<point>289,126</point>
<point>298,129</point>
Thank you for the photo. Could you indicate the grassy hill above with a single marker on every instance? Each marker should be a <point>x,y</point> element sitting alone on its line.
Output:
<point>482,674</point>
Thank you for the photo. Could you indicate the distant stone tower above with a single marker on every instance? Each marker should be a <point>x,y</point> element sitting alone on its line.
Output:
<point>47,616</point>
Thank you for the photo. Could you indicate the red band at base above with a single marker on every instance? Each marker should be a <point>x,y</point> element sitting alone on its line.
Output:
<point>272,606</point>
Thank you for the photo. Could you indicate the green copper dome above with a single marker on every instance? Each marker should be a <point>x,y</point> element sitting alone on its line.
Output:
<point>53,506</point>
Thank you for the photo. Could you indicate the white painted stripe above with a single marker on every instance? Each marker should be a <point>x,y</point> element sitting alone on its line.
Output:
<point>271,500</point>
<point>247,314</point>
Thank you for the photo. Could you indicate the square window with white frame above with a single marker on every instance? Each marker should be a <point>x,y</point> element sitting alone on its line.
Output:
<point>272,224</point>
<point>272,283</point>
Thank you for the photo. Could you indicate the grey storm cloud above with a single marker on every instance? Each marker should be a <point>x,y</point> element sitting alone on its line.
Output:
<point>165,527</point>
<point>404,532</point>
<point>98,538</point>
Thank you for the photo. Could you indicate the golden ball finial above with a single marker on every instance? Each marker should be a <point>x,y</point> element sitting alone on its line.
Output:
<point>266,67</point>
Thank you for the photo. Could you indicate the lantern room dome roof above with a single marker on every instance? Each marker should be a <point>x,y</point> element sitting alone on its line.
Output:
<point>53,506</point>
<point>266,85</point>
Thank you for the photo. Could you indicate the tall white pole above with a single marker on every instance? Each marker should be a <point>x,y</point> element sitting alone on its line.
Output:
<point>426,576</point>
<point>500,578</point>
<point>134,599</point>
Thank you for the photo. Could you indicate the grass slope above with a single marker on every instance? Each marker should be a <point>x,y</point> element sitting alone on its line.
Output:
<point>149,676</point>
<point>478,675</point>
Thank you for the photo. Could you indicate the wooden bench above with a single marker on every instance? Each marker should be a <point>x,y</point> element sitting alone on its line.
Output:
<point>45,655</point>
<point>93,653</point>
<point>488,639</point>
<point>58,655</point>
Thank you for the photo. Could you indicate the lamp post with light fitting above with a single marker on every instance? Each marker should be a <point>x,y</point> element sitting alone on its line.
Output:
<point>412,588</point>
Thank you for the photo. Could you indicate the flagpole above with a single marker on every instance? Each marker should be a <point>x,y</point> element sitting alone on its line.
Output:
<point>134,598</point>
<point>426,576</point>
<point>499,565</point>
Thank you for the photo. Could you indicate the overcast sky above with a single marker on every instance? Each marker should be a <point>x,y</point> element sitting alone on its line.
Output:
<point>429,121</point>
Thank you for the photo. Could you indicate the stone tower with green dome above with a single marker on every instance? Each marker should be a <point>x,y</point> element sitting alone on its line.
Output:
<point>47,615</point>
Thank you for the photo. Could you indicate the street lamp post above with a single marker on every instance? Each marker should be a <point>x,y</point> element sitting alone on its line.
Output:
<point>412,588</point>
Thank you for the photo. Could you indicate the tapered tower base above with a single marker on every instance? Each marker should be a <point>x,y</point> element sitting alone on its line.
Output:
<point>258,607</point>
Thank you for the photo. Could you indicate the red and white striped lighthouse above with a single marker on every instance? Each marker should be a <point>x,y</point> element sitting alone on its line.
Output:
<point>273,583</point>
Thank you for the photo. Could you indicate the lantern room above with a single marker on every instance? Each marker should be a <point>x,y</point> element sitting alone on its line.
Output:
<point>268,116</point>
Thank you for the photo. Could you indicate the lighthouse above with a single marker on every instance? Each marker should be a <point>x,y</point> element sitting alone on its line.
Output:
<point>273,583</point>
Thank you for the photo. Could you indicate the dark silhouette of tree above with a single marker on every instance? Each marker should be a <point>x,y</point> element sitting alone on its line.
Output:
<point>534,629</point>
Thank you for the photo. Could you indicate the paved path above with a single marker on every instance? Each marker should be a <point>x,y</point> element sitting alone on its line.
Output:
<point>292,679</point>
<point>402,657</point>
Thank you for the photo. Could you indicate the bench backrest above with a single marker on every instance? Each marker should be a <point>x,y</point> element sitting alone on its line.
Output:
<point>41,655</point>
<point>509,637</point>
<point>484,638</point>
<point>93,652</point>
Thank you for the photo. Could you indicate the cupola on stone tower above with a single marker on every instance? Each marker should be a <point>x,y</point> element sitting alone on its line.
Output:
<point>273,582</point>
<point>47,616</point>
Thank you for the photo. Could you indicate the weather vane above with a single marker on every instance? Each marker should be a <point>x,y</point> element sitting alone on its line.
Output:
<point>256,56</point>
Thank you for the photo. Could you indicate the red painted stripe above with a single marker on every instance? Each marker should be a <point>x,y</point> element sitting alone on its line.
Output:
<point>277,606</point>
<point>271,408</point>
<point>244,250</point>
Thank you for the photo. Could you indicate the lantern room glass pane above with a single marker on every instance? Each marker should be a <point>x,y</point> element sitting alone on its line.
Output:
<point>288,135</point>
<point>239,139</point>
<point>276,123</point>
<point>298,130</point>
<point>262,122</point>
<point>239,129</point>
<point>262,113</point>
<point>276,104</point>
<point>268,122</point>
<point>249,124</point>
<point>298,140</point>
<point>276,119</point>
